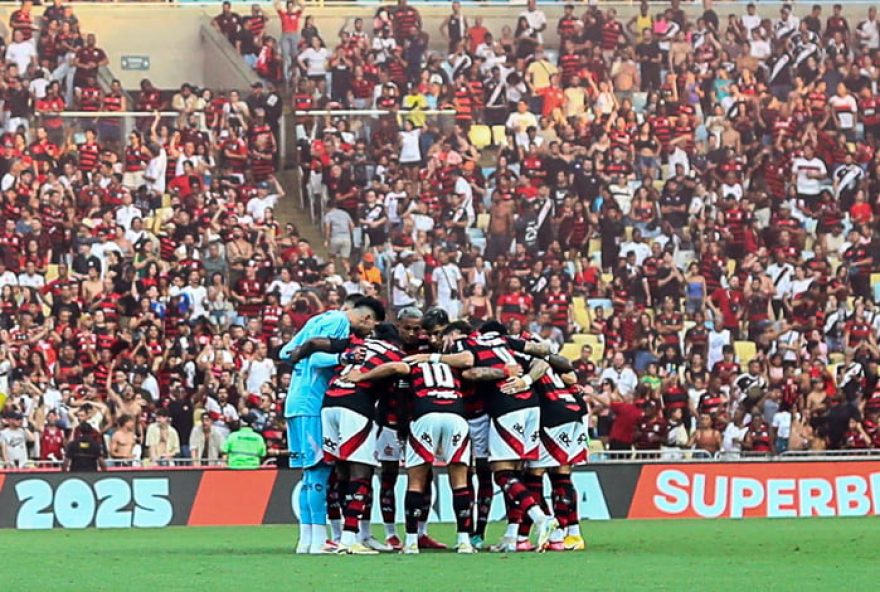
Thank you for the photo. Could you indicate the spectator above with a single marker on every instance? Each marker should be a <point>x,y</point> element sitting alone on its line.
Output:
<point>205,442</point>
<point>162,440</point>
<point>14,439</point>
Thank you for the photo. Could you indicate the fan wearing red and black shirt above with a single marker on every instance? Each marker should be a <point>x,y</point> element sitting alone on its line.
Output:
<point>728,304</point>
<point>514,303</point>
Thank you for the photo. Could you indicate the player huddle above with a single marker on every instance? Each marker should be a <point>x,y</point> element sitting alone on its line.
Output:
<point>491,407</point>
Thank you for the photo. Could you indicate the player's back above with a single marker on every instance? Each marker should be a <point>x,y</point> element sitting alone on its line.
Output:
<point>492,350</point>
<point>312,375</point>
<point>435,388</point>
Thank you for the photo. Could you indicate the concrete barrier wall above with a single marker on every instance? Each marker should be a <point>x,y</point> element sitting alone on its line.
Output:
<point>220,497</point>
<point>171,35</point>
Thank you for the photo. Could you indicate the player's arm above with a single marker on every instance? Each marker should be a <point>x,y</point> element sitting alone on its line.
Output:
<point>460,360</point>
<point>319,344</point>
<point>560,364</point>
<point>569,378</point>
<point>485,374</point>
<point>532,348</point>
<point>380,372</point>
<point>518,384</point>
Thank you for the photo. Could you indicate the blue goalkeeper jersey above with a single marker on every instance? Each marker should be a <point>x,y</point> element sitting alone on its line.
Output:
<point>311,375</point>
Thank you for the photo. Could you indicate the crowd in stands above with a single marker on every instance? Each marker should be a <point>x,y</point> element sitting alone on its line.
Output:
<point>687,206</point>
<point>136,257</point>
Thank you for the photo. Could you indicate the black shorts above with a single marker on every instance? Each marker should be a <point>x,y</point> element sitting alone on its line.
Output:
<point>603,425</point>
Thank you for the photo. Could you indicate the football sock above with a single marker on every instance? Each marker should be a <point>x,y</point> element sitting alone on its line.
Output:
<point>485,492</point>
<point>387,501</point>
<point>463,506</point>
<point>561,501</point>
<point>355,500</point>
<point>412,505</point>
<point>305,537</point>
<point>518,494</point>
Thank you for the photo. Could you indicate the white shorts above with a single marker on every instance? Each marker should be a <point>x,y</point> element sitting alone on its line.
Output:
<point>388,445</point>
<point>514,435</point>
<point>438,437</point>
<point>561,445</point>
<point>479,430</point>
<point>348,436</point>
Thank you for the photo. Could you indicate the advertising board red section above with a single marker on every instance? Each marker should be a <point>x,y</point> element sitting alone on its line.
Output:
<point>232,498</point>
<point>744,490</point>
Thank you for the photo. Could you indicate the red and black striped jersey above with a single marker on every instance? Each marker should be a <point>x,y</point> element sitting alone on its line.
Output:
<point>88,156</point>
<point>435,388</point>
<point>492,350</point>
<point>560,403</point>
<point>710,402</point>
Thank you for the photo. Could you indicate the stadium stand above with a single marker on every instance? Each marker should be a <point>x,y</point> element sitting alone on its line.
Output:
<point>686,203</point>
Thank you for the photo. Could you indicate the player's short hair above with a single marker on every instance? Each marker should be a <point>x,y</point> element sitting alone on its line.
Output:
<point>435,317</point>
<point>493,326</point>
<point>410,312</point>
<point>377,308</point>
<point>460,326</point>
<point>386,332</point>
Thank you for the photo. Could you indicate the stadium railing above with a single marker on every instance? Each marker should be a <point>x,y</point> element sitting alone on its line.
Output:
<point>305,126</point>
<point>111,128</point>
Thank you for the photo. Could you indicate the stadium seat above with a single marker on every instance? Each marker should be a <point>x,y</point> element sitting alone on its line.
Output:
<point>480,136</point>
<point>572,351</point>
<point>745,351</point>
<point>607,278</point>
<point>603,303</point>
<point>580,312</point>
<point>483,222</point>
<point>582,338</point>
<point>835,358</point>
<point>595,246</point>
<point>499,135</point>
<point>51,272</point>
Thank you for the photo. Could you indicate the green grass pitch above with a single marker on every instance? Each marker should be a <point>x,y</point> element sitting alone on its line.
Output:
<point>742,556</point>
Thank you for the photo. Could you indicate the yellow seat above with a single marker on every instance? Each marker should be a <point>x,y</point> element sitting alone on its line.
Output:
<point>628,232</point>
<point>580,312</point>
<point>875,279</point>
<point>596,446</point>
<point>572,351</point>
<point>480,136</point>
<point>162,216</point>
<point>483,222</point>
<point>51,272</point>
<point>166,200</point>
<point>835,358</point>
<point>745,351</point>
<point>731,266</point>
<point>595,245</point>
<point>499,135</point>
<point>607,278</point>
<point>581,338</point>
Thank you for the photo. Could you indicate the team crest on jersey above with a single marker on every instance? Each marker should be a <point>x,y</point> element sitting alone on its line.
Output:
<point>519,429</point>
<point>456,439</point>
<point>565,439</point>
<point>328,443</point>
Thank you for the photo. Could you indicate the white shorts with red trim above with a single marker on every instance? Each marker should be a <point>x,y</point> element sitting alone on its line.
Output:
<point>561,445</point>
<point>388,445</point>
<point>348,436</point>
<point>514,435</point>
<point>438,437</point>
<point>479,429</point>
